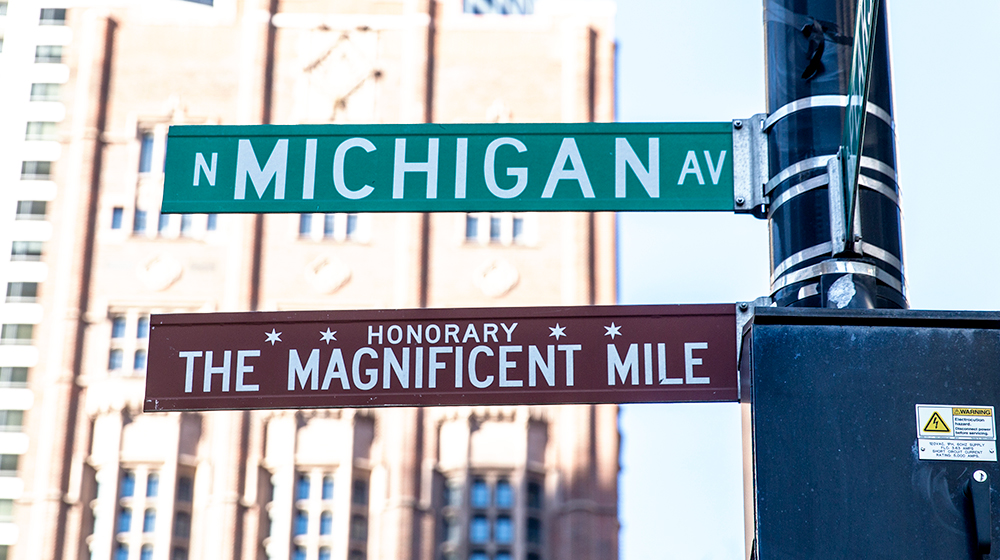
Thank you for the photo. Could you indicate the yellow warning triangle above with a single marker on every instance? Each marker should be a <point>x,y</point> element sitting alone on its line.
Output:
<point>936,424</point>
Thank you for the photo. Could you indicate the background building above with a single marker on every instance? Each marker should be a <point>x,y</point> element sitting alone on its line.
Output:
<point>90,89</point>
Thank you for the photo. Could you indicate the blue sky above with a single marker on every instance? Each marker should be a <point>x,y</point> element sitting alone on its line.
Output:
<point>681,490</point>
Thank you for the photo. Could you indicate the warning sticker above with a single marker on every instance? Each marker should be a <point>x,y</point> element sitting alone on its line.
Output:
<point>956,433</point>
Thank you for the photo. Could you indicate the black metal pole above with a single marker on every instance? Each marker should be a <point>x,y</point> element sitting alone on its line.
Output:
<point>809,46</point>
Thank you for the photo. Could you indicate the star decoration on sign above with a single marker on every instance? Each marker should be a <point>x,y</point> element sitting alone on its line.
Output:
<point>613,330</point>
<point>327,336</point>
<point>273,337</point>
<point>557,331</point>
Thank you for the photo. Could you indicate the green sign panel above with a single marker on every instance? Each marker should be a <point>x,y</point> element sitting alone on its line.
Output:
<point>857,100</point>
<point>449,168</point>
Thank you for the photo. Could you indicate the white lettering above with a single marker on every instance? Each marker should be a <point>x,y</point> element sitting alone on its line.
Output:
<point>461,166</point>
<point>451,331</point>
<point>716,170</point>
<point>433,365</point>
<point>470,332</point>
<point>401,167</point>
<point>372,373</point>
<point>247,164</point>
<point>569,349</point>
<point>242,368</point>
<point>476,382</point>
<point>372,334</point>
<point>649,179</point>
<point>338,168</point>
<point>200,166</point>
<point>458,367</point>
<point>490,330</point>
<point>437,334</point>
<point>509,331</point>
<point>223,370</point>
<point>336,369</point>
<point>547,367</point>
<point>690,361</point>
<point>490,170</point>
<point>309,170</point>
<point>399,334</point>
<point>309,372</point>
<point>631,364</point>
<point>568,150</point>
<point>189,368</point>
<point>506,364</point>
<point>414,334</point>
<point>691,166</point>
<point>390,364</point>
<point>661,352</point>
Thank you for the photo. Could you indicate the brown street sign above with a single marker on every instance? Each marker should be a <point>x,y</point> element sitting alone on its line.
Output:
<point>442,357</point>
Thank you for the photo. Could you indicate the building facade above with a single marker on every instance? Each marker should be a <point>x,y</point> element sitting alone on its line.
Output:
<point>93,89</point>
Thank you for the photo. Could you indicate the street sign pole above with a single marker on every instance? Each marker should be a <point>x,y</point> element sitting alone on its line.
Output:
<point>835,243</point>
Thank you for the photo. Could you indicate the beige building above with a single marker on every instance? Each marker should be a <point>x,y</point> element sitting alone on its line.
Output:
<point>90,89</point>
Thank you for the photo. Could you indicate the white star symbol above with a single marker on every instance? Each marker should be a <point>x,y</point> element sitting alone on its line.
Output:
<point>273,337</point>
<point>613,330</point>
<point>328,335</point>
<point>557,331</point>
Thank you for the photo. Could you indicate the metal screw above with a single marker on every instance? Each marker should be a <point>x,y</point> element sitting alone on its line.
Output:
<point>744,306</point>
<point>740,200</point>
<point>737,124</point>
<point>923,449</point>
<point>979,476</point>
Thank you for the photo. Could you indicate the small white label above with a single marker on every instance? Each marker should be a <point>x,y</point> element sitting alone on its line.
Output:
<point>956,433</point>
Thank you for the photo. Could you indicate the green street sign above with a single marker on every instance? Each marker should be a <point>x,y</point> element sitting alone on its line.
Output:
<point>857,101</point>
<point>449,168</point>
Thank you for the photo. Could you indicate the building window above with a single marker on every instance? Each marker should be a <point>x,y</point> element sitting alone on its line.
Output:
<point>149,521</point>
<point>328,487</point>
<point>534,530</point>
<point>480,493</point>
<point>179,553</point>
<point>300,522</point>
<point>503,7</point>
<point>163,224</point>
<point>128,484</point>
<point>359,528</point>
<point>328,225</point>
<point>504,532</point>
<point>326,523</point>
<point>212,223</point>
<point>502,555</point>
<point>502,228</point>
<point>125,520</point>
<point>45,92</point>
<point>302,486</point>
<point>356,554</point>
<point>52,16</point>
<point>26,251</point>
<point>40,130</point>
<point>3,8</point>
<point>479,530</point>
<point>471,227</point>
<point>153,485</point>
<point>121,551</point>
<point>12,376</point>
<point>359,496</point>
<point>11,420</point>
<point>145,152</point>
<point>182,525</point>
<point>17,335</point>
<point>115,359</point>
<point>116,217</point>
<point>30,210</point>
<point>22,292</point>
<point>534,495</point>
<point>118,326</point>
<point>305,225</point>
<point>6,510</point>
<point>36,170</point>
<point>324,553</point>
<point>139,360</point>
<point>146,553</point>
<point>8,464</point>
<point>185,489</point>
<point>352,226</point>
<point>139,222</point>
<point>142,327</point>
<point>50,54</point>
<point>186,223</point>
<point>450,529</point>
<point>478,555</point>
<point>505,495</point>
<point>299,553</point>
<point>452,494</point>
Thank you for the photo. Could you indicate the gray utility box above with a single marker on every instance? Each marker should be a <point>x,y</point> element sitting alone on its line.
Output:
<point>874,433</point>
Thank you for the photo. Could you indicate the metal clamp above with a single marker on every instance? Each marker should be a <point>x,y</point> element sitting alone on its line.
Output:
<point>750,166</point>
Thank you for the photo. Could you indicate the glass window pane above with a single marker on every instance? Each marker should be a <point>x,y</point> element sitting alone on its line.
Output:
<point>118,326</point>
<point>52,16</point>
<point>48,53</point>
<point>182,525</point>
<point>36,170</point>
<point>359,528</point>
<point>480,493</point>
<point>179,553</point>
<point>139,223</point>
<point>324,553</point>
<point>325,523</point>
<point>187,222</point>
<point>142,327</point>
<point>164,223</point>
<point>185,489</point>
<point>299,553</point>
<point>125,520</point>
<point>300,523</point>
<point>518,228</point>
<point>494,228</point>
<point>452,493</point>
<point>305,224</point>
<point>504,533</point>
<point>505,495</point>
<point>352,225</point>
<point>128,484</point>
<point>139,363</point>
<point>153,485</point>
<point>13,376</point>
<point>534,495</point>
<point>149,521</point>
<point>302,487</point>
<point>534,530</point>
<point>116,217</point>
<point>359,496</point>
<point>212,223</point>
<point>479,529</point>
<point>327,487</point>
<point>478,555</point>
<point>328,225</point>
<point>121,551</point>
<point>146,553</point>
<point>471,227</point>
<point>8,464</point>
<point>145,152</point>
<point>26,251</point>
